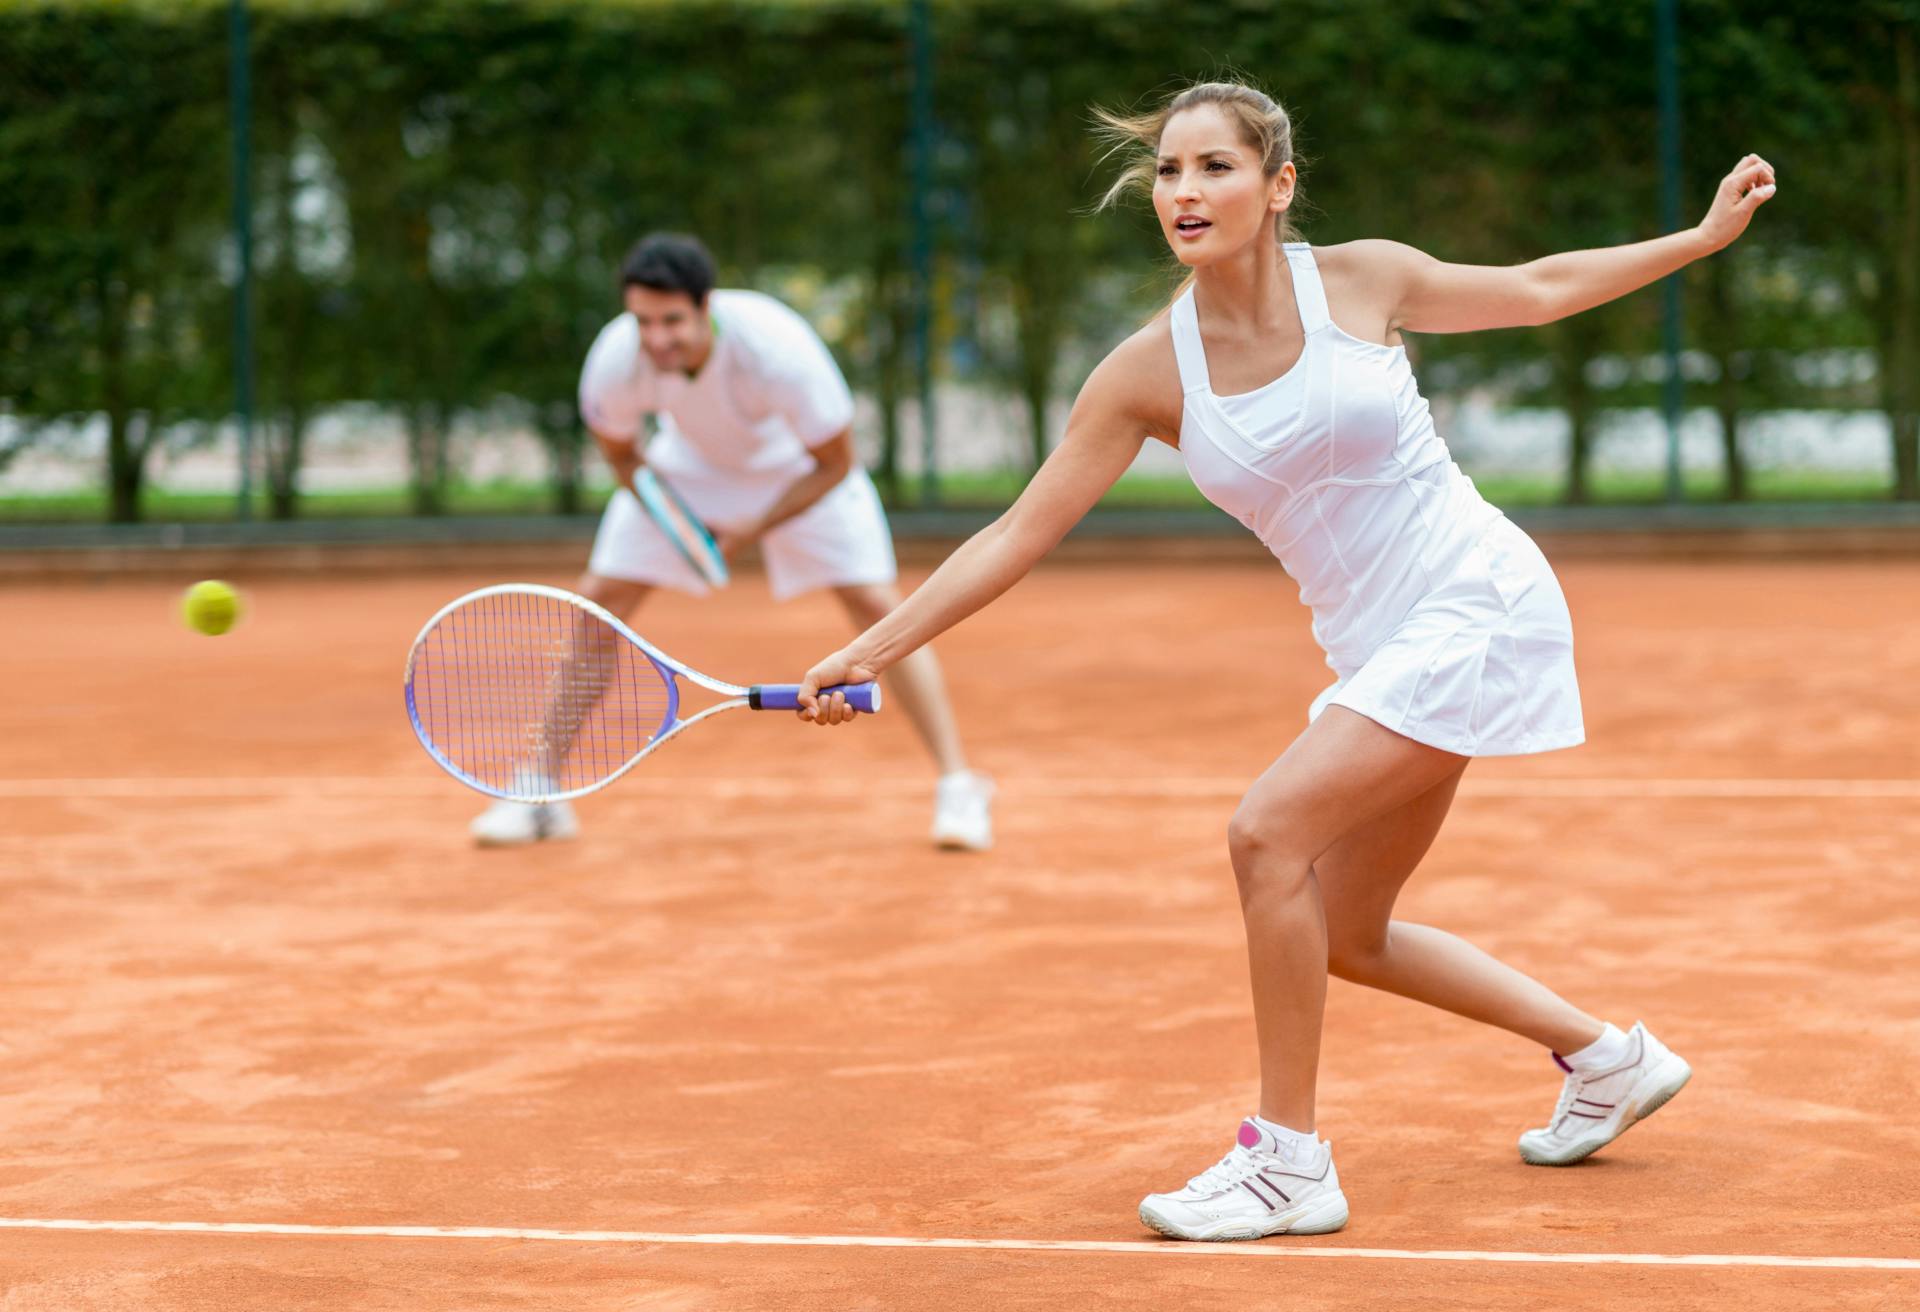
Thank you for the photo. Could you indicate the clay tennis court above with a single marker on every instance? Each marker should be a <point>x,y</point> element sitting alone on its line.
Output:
<point>256,975</point>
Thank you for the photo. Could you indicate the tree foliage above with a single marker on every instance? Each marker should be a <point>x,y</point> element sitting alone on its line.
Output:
<point>443,190</point>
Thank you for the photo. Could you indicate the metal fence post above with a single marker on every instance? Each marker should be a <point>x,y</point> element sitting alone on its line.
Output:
<point>1673,395</point>
<point>239,61</point>
<point>920,37</point>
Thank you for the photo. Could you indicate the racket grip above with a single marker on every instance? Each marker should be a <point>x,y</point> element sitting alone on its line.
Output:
<point>786,696</point>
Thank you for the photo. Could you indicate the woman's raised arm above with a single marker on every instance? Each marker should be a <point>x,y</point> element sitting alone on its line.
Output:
<point>1432,296</point>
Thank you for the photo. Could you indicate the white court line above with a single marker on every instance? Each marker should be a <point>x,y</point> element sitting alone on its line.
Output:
<point>1159,1248</point>
<point>1012,788</point>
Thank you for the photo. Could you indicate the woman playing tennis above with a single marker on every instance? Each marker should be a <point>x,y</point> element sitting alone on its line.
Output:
<point>1279,375</point>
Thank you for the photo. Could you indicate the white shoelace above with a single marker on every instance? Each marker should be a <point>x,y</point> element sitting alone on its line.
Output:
<point>1229,1171</point>
<point>1569,1090</point>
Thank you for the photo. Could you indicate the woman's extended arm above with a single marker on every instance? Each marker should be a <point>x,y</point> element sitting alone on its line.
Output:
<point>1104,433</point>
<point>1425,295</point>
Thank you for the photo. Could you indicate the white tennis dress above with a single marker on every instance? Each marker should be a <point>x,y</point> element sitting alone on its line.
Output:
<point>1441,619</point>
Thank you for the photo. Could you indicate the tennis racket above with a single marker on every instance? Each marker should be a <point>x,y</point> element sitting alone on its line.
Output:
<point>683,528</point>
<point>537,695</point>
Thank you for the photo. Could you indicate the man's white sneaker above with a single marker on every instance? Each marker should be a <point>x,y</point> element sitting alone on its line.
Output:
<point>1595,1108</point>
<point>963,812</point>
<point>511,824</point>
<point>1254,1191</point>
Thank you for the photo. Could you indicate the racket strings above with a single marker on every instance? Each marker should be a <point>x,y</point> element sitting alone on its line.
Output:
<point>530,695</point>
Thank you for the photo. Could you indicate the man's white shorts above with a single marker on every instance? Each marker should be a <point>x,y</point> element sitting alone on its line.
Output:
<point>840,540</point>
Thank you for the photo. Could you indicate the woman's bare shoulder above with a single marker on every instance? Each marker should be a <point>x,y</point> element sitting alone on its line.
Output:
<point>1369,262</point>
<point>1363,254</point>
<point>1139,380</point>
<point>1366,281</point>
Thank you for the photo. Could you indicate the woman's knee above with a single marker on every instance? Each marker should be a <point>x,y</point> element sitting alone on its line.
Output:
<point>1263,840</point>
<point>1359,939</point>
<point>1356,958</point>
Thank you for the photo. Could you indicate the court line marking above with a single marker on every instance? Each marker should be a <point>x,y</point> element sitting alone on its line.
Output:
<point>377,787</point>
<point>1161,1248</point>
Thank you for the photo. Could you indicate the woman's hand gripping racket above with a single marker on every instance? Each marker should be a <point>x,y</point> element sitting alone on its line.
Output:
<point>538,695</point>
<point>838,670</point>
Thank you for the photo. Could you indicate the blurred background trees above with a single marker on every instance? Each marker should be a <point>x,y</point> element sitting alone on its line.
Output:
<point>442,192</point>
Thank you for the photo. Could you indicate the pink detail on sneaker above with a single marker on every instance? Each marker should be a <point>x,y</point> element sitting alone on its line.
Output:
<point>1249,1135</point>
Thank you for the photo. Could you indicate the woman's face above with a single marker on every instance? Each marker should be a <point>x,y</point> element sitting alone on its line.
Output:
<point>1208,189</point>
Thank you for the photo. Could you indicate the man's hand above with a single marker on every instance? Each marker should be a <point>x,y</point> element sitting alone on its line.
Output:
<point>622,455</point>
<point>625,462</point>
<point>733,541</point>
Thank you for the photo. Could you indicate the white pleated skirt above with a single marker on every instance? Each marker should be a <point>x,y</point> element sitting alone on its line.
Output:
<point>1481,666</point>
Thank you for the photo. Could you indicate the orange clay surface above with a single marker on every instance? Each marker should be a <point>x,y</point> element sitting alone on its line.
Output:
<point>255,973</point>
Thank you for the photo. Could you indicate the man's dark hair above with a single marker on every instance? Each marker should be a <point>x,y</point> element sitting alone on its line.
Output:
<point>669,262</point>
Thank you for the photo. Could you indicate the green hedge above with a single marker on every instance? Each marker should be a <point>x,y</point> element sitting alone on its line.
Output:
<point>443,191</point>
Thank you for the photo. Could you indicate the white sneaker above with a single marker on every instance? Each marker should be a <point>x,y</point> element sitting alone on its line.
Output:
<point>511,824</point>
<point>963,812</point>
<point>1254,1191</point>
<point>1595,1109</point>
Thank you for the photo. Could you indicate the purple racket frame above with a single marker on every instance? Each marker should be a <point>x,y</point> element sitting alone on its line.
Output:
<point>758,697</point>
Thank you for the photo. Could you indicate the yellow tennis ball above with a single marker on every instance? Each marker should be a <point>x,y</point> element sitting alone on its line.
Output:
<point>210,607</point>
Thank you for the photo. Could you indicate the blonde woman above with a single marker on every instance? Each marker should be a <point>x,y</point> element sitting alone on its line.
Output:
<point>1279,375</point>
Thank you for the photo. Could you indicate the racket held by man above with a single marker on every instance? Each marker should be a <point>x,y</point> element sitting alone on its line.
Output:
<point>684,529</point>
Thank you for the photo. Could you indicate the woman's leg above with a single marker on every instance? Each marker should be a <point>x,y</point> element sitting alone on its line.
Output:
<point>1343,774</point>
<point>1360,877</point>
<point>1321,844</point>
